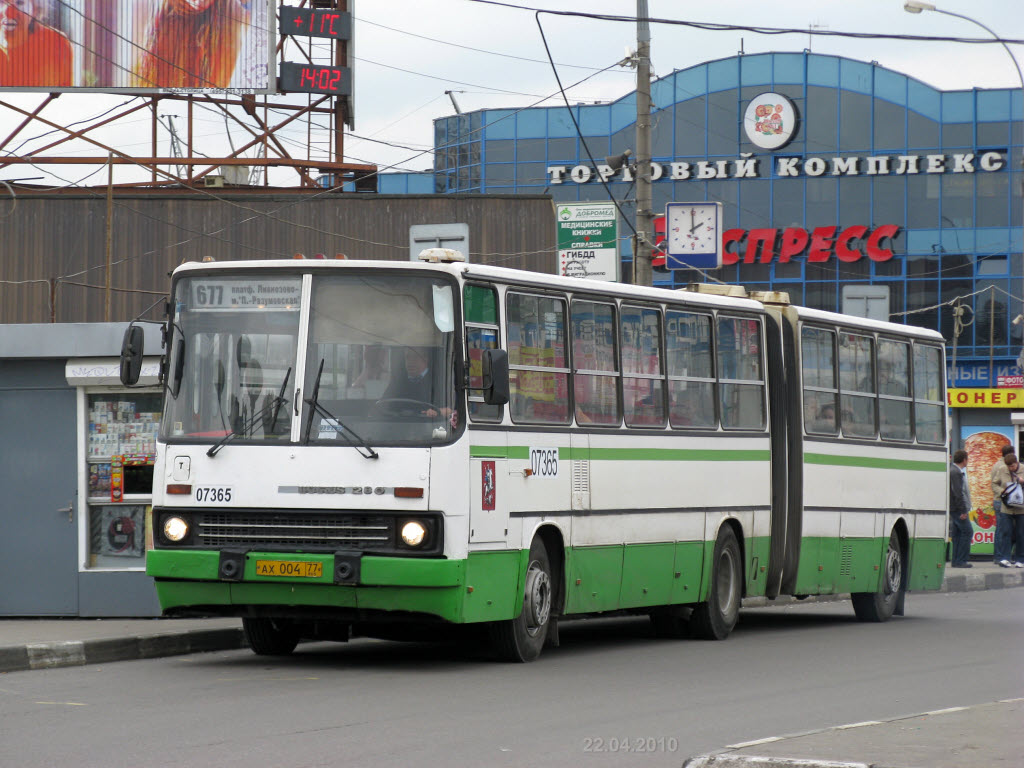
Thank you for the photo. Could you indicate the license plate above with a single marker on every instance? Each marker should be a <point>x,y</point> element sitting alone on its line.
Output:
<point>289,568</point>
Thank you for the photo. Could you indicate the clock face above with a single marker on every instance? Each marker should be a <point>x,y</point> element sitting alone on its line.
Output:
<point>692,228</point>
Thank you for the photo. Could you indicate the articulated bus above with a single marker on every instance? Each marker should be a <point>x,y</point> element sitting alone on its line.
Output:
<point>357,448</point>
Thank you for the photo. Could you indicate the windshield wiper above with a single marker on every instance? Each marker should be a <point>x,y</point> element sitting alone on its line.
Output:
<point>361,446</point>
<point>274,405</point>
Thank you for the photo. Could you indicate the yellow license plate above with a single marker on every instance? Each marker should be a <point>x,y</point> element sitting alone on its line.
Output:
<point>289,568</point>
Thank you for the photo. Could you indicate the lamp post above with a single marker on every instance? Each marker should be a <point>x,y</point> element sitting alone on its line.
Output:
<point>915,6</point>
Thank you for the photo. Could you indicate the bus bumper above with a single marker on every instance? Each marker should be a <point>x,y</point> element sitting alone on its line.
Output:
<point>436,587</point>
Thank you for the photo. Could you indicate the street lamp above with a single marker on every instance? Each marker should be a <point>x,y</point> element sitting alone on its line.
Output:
<point>915,6</point>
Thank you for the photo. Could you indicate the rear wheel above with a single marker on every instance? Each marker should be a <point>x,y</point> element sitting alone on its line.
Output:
<point>522,638</point>
<point>880,605</point>
<point>270,637</point>
<point>715,619</point>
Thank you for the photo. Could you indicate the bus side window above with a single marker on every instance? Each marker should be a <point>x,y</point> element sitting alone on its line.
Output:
<point>857,385</point>
<point>929,407</point>
<point>688,355</point>
<point>818,364</point>
<point>643,393</point>
<point>482,332</point>
<point>594,362</point>
<point>538,368</point>
<point>740,373</point>
<point>894,421</point>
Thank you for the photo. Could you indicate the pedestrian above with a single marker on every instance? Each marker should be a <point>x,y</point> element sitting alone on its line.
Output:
<point>1004,523</point>
<point>1002,477</point>
<point>960,530</point>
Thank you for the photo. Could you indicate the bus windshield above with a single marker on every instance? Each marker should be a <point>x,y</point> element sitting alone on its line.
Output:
<point>378,366</point>
<point>233,345</point>
<point>380,360</point>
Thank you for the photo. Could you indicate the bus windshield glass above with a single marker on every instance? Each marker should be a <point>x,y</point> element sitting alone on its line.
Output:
<point>232,352</point>
<point>378,369</point>
<point>380,360</point>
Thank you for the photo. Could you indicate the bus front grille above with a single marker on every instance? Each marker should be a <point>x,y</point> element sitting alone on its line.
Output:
<point>295,531</point>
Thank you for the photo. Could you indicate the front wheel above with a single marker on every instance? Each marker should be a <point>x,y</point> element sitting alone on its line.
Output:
<point>270,637</point>
<point>522,638</point>
<point>715,618</point>
<point>880,606</point>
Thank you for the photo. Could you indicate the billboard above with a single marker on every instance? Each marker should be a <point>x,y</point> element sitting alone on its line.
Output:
<point>137,45</point>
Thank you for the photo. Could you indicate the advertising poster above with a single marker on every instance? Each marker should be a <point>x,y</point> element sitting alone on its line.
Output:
<point>984,446</point>
<point>137,45</point>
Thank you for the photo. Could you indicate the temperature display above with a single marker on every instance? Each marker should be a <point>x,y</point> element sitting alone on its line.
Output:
<point>315,23</point>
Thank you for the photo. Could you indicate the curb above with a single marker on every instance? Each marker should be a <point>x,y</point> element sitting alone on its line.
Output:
<point>973,582</point>
<point>74,653</point>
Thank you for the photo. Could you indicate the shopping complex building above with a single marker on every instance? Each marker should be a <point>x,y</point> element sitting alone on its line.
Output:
<point>850,186</point>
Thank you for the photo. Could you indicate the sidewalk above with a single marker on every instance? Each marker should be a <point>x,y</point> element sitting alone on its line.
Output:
<point>46,643</point>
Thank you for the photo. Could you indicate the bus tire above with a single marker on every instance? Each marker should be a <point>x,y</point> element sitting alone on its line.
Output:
<point>521,639</point>
<point>879,606</point>
<point>270,637</point>
<point>715,618</point>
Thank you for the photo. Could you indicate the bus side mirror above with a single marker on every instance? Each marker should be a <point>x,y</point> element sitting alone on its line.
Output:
<point>495,376</point>
<point>131,355</point>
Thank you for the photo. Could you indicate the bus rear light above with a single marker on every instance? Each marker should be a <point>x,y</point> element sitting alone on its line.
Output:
<point>179,489</point>
<point>409,493</point>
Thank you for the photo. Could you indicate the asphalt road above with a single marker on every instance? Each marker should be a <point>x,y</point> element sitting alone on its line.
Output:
<point>612,695</point>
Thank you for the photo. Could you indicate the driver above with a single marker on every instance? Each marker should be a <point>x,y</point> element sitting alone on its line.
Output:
<point>416,383</point>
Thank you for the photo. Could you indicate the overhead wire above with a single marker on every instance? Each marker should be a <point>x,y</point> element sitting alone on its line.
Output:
<point>561,90</point>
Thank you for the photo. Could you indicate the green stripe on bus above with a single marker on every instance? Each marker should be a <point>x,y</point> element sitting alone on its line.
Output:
<point>624,454</point>
<point>874,463</point>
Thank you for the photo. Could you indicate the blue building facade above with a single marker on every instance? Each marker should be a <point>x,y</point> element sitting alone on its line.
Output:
<point>883,189</point>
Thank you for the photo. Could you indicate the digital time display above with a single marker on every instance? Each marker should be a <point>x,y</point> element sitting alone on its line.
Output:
<point>315,23</point>
<point>316,78</point>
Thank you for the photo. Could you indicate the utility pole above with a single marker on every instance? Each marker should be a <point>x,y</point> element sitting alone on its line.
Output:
<point>643,242</point>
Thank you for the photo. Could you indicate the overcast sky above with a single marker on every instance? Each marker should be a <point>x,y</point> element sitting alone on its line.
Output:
<point>399,106</point>
<point>409,52</point>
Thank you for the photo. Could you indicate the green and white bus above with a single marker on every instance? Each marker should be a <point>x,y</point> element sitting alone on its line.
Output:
<point>348,447</point>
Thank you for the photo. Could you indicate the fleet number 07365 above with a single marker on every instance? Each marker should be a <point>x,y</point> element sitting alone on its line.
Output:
<point>206,494</point>
<point>544,462</point>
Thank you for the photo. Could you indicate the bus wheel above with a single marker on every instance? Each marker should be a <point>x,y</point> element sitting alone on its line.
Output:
<point>714,619</point>
<point>270,637</point>
<point>880,605</point>
<point>522,638</point>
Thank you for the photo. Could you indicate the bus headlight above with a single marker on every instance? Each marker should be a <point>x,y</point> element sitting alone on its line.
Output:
<point>175,529</point>
<point>413,533</point>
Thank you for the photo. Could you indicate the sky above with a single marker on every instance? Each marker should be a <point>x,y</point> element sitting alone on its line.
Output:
<point>408,53</point>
